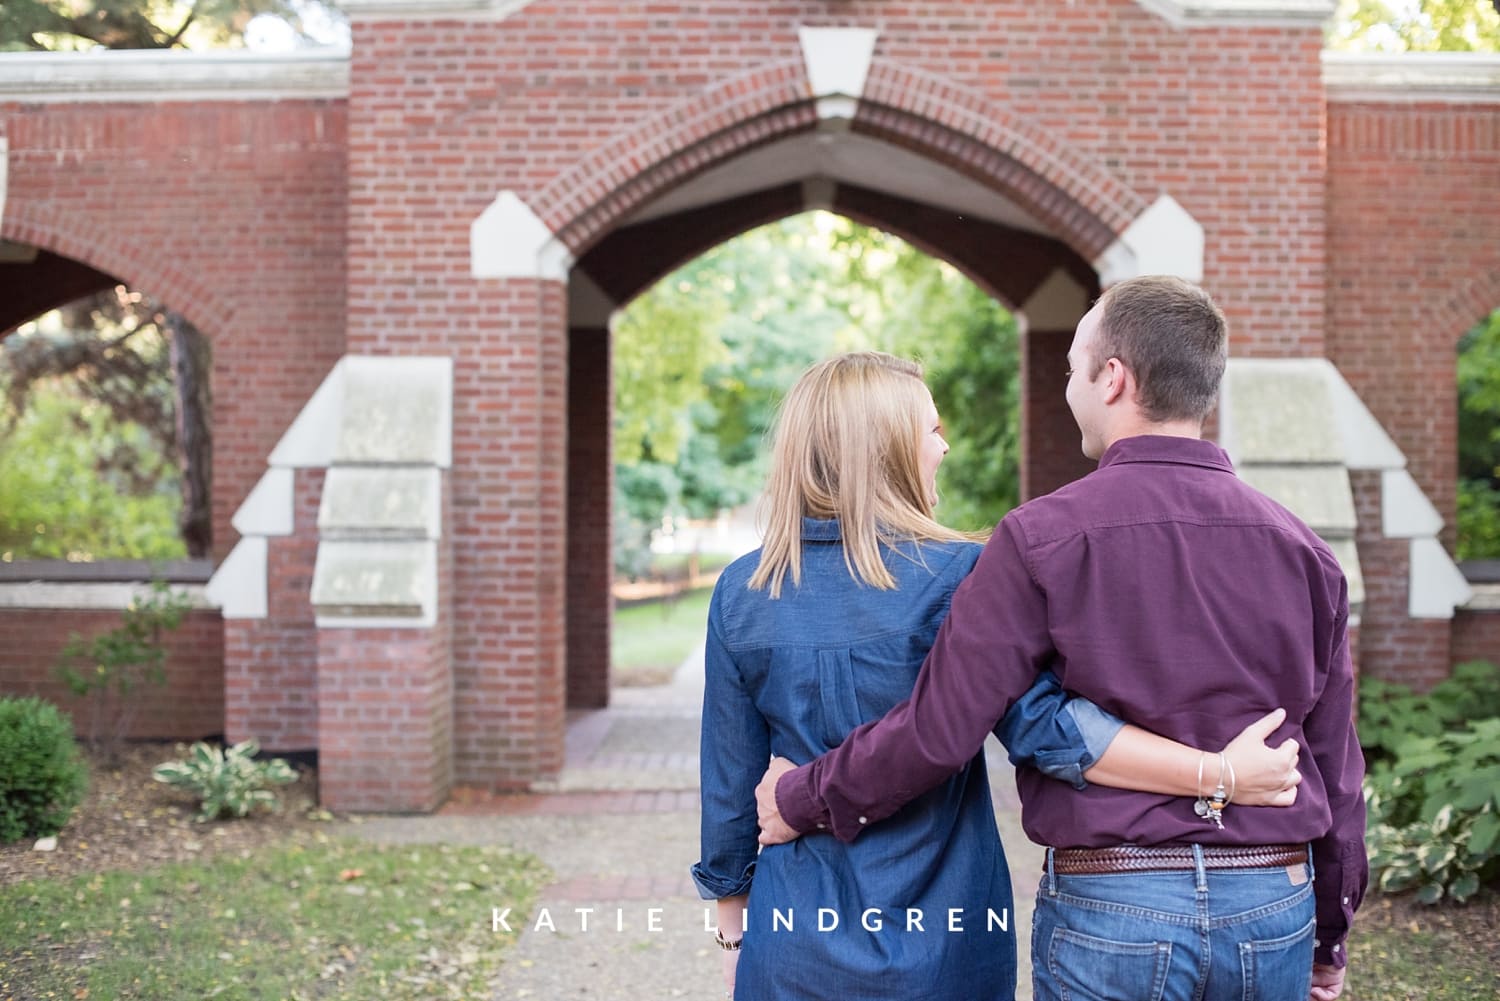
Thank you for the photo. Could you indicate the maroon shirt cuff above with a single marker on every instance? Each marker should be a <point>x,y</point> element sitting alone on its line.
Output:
<point>797,799</point>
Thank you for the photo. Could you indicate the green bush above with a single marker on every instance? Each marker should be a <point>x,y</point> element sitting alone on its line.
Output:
<point>43,777</point>
<point>111,669</point>
<point>1433,787</point>
<point>228,783</point>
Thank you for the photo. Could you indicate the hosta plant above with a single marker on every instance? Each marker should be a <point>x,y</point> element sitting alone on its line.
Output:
<point>228,782</point>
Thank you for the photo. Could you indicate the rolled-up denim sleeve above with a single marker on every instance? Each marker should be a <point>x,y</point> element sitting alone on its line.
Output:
<point>734,750</point>
<point>1058,734</point>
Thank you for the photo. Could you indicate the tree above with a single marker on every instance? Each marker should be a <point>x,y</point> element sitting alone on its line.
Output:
<point>57,25</point>
<point>1479,441</point>
<point>146,368</point>
<point>1415,26</point>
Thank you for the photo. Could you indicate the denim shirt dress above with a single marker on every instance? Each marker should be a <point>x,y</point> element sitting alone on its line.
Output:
<point>919,907</point>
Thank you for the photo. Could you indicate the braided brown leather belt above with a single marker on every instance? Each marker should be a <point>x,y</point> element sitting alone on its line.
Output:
<point>1131,858</point>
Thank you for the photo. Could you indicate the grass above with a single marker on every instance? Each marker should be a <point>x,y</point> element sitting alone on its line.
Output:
<point>649,640</point>
<point>1402,951</point>
<point>320,918</point>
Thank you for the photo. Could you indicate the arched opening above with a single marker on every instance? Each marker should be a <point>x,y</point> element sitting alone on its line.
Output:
<point>991,238</point>
<point>106,447</point>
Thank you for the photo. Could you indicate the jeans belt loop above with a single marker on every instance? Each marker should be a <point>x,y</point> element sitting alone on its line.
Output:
<point>1199,869</point>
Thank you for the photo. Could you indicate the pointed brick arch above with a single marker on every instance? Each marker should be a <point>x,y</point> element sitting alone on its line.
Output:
<point>1475,300</point>
<point>1087,207</point>
<point>140,266</point>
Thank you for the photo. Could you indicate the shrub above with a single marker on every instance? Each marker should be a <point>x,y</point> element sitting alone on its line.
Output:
<point>110,669</point>
<point>43,777</point>
<point>227,782</point>
<point>1433,788</point>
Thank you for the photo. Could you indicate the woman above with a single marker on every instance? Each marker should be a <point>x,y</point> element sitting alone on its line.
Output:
<point>825,628</point>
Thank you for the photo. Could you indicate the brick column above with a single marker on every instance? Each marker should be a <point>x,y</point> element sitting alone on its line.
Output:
<point>271,663</point>
<point>1051,450</point>
<point>1393,646</point>
<point>590,535</point>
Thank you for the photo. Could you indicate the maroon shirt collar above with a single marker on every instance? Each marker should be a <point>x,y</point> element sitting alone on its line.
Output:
<point>1167,448</point>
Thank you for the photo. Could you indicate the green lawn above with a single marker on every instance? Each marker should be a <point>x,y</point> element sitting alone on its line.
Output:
<point>1402,951</point>
<point>650,640</point>
<point>317,918</point>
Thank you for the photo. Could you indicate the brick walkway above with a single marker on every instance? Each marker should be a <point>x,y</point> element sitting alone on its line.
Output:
<point>619,830</point>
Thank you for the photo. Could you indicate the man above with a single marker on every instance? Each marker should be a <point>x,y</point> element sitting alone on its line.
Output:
<point>1178,598</point>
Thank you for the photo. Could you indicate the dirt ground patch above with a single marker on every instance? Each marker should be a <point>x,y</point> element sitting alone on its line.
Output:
<point>130,821</point>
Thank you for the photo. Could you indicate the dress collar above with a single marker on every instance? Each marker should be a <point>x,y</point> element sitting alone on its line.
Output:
<point>820,530</point>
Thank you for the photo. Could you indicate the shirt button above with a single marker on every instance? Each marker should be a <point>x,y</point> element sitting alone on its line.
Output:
<point>864,820</point>
<point>1317,944</point>
<point>1335,948</point>
<point>822,827</point>
<point>1346,901</point>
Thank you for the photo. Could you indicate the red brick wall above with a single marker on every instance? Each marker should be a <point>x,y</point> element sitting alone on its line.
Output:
<point>189,705</point>
<point>1051,447</point>
<point>271,664</point>
<point>590,569</point>
<point>1414,262</point>
<point>1476,636</point>
<point>1393,647</point>
<point>232,213</point>
<point>344,226</point>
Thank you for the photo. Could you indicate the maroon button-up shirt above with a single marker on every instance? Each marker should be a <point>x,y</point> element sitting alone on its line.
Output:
<point>1173,595</point>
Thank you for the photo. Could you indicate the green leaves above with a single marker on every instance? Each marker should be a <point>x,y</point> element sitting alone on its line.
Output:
<point>228,783</point>
<point>1433,789</point>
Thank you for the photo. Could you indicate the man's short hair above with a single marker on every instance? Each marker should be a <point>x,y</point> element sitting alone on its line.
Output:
<point>1169,333</point>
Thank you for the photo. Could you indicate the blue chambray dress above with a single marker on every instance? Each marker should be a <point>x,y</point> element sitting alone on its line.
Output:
<point>919,906</point>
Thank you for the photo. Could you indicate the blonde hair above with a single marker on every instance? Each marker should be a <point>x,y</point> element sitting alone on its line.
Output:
<point>846,446</point>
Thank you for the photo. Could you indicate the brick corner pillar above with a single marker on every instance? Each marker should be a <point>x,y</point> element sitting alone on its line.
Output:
<point>262,587</point>
<point>1299,433</point>
<point>1051,450</point>
<point>590,529</point>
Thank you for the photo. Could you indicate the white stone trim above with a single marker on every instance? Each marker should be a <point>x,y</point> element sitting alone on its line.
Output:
<point>375,502</point>
<point>152,75</point>
<point>1405,511</point>
<point>1486,598</point>
<point>1403,77</point>
<point>1194,13</point>
<point>412,10</point>
<point>309,442</point>
<point>1163,240</point>
<point>238,586</point>
<point>4,173</point>
<point>269,508</point>
<point>100,595</point>
<point>837,59</point>
<point>1058,303</point>
<point>395,409</point>
<point>1366,443</point>
<point>367,585</point>
<point>588,304</point>
<point>508,240</point>
<point>1437,586</point>
<point>818,194</point>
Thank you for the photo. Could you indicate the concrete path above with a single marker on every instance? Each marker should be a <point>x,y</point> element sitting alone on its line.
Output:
<point>619,834</point>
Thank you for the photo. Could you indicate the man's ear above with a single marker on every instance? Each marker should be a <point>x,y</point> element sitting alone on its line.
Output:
<point>1118,381</point>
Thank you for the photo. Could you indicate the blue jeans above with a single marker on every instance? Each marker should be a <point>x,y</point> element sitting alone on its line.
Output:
<point>1201,935</point>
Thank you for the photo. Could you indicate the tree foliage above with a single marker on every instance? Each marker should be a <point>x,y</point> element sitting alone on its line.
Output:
<point>63,25</point>
<point>703,358</point>
<point>1415,26</point>
<point>1479,441</point>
